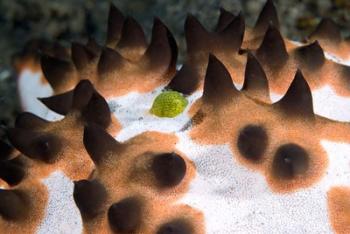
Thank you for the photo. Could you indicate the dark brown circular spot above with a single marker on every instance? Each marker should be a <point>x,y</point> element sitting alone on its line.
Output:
<point>178,226</point>
<point>169,169</point>
<point>89,197</point>
<point>290,161</point>
<point>125,216</point>
<point>47,148</point>
<point>252,142</point>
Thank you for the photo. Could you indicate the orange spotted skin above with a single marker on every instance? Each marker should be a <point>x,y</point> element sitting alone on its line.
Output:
<point>49,147</point>
<point>131,166</point>
<point>339,209</point>
<point>136,186</point>
<point>216,124</point>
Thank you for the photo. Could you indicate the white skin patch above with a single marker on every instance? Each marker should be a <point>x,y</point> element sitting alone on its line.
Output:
<point>30,88</point>
<point>62,215</point>
<point>235,199</point>
<point>132,111</point>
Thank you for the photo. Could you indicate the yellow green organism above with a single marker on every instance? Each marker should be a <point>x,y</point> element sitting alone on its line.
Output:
<point>169,104</point>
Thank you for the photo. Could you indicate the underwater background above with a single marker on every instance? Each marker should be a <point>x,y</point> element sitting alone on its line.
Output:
<point>76,20</point>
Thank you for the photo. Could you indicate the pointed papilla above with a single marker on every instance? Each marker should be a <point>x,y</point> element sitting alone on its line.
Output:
<point>298,99</point>
<point>233,34</point>
<point>82,94</point>
<point>97,111</point>
<point>30,121</point>
<point>81,56</point>
<point>5,150</point>
<point>160,51</point>
<point>218,85</point>
<point>327,30</point>
<point>93,46</point>
<point>55,50</point>
<point>115,25</point>
<point>132,35</point>
<point>268,16</point>
<point>98,143</point>
<point>185,81</point>
<point>255,80</point>
<point>57,71</point>
<point>41,146</point>
<point>14,204</point>
<point>110,61</point>
<point>225,19</point>
<point>12,171</point>
<point>311,56</point>
<point>272,50</point>
<point>61,103</point>
<point>89,197</point>
<point>174,51</point>
<point>196,35</point>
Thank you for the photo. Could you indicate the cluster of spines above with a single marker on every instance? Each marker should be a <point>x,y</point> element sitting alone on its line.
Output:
<point>290,166</point>
<point>125,57</point>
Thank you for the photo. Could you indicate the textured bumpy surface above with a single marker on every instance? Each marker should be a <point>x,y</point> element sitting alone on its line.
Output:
<point>169,104</point>
<point>250,135</point>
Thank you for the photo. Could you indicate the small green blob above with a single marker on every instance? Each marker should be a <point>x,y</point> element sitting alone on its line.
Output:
<point>169,104</point>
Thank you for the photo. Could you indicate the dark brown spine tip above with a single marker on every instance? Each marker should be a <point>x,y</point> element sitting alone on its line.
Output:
<point>89,197</point>
<point>82,94</point>
<point>177,226</point>
<point>185,81</point>
<point>233,34</point>
<point>60,51</point>
<point>61,103</point>
<point>12,171</point>
<point>327,30</point>
<point>110,61</point>
<point>225,19</point>
<point>93,46</point>
<point>97,111</point>
<point>54,49</point>
<point>218,85</point>
<point>160,51</point>
<point>267,16</point>
<point>56,71</point>
<point>115,25</point>
<point>169,169</point>
<point>290,161</point>
<point>195,33</point>
<point>272,50</point>
<point>252,142</point>
<point>40,146</point>
<point>81,56</point>
<point>30,121</point>
<point>14,204</point>
<point>311,56</point>
<point>298,99</point>
<point>132,35</point>
<point>255,80</point>
<point>125,216</point>
<point>98,143</point>
<point>5,150</point>
<point>159,34</point>
<point>174,51</point>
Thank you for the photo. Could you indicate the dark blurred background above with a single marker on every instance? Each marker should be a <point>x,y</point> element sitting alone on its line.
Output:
<point>75,20</point>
